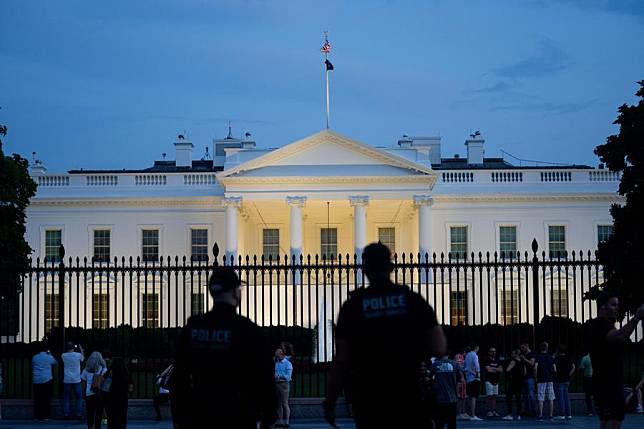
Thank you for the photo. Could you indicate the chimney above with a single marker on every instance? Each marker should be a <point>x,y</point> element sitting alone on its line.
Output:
<point>475,150</point>
<point>37,167</point>
<point>427,148</point>
<point>248,142</point>
<point>183,149</point>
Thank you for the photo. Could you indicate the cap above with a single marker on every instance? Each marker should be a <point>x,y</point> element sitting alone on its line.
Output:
<point>223,279</point>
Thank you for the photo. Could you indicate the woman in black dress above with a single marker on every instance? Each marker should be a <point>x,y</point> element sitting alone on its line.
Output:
<point>120,389</point>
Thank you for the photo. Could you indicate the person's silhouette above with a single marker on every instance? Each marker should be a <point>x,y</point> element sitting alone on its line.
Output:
<point>384,333</point>
<point>223,374</point>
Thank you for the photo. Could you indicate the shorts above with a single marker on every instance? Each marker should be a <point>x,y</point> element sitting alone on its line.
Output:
<point>609,403</point>
<point>460,390</point>
<point>283,388</point>
<point>491,389</point>
<point>545,392</point>
<point>473,388</point>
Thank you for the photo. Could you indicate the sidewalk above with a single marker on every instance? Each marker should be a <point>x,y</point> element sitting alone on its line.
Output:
<point>633,421</point>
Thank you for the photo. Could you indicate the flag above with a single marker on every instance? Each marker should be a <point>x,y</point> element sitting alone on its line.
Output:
<point>326,48</point>
<point>328,64</point>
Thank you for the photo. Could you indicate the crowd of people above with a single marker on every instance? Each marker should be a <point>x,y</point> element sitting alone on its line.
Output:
<point>104,386</point>
<point>531,381</point>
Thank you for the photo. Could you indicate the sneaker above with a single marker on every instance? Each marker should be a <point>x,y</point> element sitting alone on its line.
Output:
<point>463,416</point>
<point>539,418</point>
<point>476,419</point>
<point>496,414</point>
<point>560,417</point>
<point>490,414</point>
<point>639,409</point>
<point>517,418</point>
<point>569,417</point>
<point>508,417</point>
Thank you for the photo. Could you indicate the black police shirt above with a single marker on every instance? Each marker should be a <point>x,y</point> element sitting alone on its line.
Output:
<point>223,368</point>
<point>606,356</point>
<point>386,327</point>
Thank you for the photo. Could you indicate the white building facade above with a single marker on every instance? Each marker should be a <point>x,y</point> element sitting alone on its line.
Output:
<point>323,195</point>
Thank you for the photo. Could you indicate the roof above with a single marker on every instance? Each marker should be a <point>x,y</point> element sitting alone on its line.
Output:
<point>161,167</point>
<point>496,164</point>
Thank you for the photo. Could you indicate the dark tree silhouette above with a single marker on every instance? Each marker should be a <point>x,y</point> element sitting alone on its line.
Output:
<point>16,188</point>
<point>623,253</point>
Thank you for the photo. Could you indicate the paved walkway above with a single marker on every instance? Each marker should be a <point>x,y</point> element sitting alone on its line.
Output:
<point>632,422</point>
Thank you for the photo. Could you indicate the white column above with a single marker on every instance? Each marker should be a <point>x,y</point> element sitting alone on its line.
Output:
<point>296,204</point>
<point>424,205</point>
<point>232,204</point>
<point>359,204</point>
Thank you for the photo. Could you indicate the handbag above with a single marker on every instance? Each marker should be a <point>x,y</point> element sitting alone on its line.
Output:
<point>106,385</point>
<point>97,381</point>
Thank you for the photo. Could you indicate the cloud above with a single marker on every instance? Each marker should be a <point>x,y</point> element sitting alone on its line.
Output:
<point>548,61</point>
<point>547,108</point>
<point>633,8</point>
<point>492,89</point>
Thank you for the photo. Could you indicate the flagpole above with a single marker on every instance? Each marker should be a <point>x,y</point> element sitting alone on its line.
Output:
<point>326,50</point>
<point>328,113</point>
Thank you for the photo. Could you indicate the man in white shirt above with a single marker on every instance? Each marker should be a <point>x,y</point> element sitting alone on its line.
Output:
<point>43,381</point>
<point>72,379</point>
<point>283,374</point>
<point>473,378</point>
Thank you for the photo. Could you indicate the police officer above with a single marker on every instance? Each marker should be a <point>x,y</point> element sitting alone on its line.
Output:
<point>384,333</point>
<point>223,374</point>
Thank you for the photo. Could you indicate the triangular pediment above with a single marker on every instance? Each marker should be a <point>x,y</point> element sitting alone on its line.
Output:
<point>329,153</point>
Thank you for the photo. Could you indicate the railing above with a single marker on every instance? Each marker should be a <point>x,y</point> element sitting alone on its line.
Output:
<point>199,179</point>
<point>556,176</point>
<point>458,176</point>
<point>150,180</point>
<point>102,180</point>
<point>604,176</point>
<point>507,176</point>
<point>134,309</point>
<point>58,180</point>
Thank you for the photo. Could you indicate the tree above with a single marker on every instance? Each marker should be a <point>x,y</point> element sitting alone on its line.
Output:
<point>623,253</point>
<point>16,188</point>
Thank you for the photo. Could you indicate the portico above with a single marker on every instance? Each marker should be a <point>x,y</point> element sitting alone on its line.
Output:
<point>319,196</point>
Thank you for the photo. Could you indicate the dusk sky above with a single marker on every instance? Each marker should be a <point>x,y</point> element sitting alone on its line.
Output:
<point>111,84</point>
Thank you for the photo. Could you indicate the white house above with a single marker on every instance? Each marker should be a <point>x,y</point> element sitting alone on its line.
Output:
<point>324,194</point>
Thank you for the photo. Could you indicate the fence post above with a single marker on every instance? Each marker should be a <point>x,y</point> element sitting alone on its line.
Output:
<point>215,252</point>
<point>61,294</point>
<point>535,289</point>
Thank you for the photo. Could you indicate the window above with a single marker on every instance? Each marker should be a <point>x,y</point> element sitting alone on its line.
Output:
<point>458,241</point>
<point>52,311</point>
<point>329,243</point>
<point>559,303</point>
<point>53,240</point>
<point>197,304</point>
<point>102,245</point>
<point>557,241</point>
<point>509,306</point>
<point>150,310</point>
<point>100,311</point>
<point>604,232</point>
<point>199,245</point>
<point>271,243</point>
<point>508,241</point>
<point>387,236</point>
<point>458,307</point>
<point>150,245</point>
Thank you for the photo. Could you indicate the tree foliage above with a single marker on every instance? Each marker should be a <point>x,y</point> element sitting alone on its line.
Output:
<point>16,188</point>
<point>623,253</point>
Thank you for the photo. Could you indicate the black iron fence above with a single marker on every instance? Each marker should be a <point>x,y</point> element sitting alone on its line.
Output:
<point>133,308</point>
